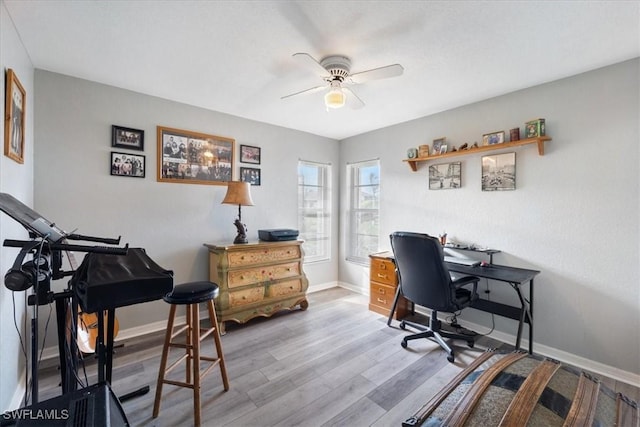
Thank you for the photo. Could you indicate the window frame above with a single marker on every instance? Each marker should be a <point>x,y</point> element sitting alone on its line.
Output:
<point>323,212</point>
<point>354,212</point>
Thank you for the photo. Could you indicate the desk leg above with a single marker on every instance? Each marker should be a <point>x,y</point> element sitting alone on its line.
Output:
<point>393,307</point>
<point>526,313</point>
<point>530,314</point>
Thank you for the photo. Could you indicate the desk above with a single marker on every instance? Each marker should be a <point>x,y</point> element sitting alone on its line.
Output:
<point>516,277</point>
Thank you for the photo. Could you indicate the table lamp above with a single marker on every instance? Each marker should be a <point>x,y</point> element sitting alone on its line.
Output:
<point>238,193</point>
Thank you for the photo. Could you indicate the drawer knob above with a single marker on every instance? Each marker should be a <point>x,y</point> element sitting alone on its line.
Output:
<point>383,266</point>
<point>383,301</point>
<point>381,291</point>
<point>242,277</point>
<point>382,276</point>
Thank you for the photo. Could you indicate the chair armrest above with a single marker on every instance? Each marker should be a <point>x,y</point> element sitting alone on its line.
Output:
<point>466,280</point>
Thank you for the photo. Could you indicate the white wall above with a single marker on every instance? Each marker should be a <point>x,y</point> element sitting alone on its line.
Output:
<point>573,216</point>
<point>171,221</point>
<point>16,179</point>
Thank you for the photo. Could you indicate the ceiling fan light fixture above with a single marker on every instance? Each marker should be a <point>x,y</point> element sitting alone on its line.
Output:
<point>335,98</point>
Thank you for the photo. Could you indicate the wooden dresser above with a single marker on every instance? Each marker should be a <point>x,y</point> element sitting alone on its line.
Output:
<point>257,279</point>
<point>383,283</point>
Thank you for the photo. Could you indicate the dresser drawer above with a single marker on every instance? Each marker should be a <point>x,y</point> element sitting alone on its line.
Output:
<point>244,277</point>
<point>285,288</point>
<point>246,296</point>
<point>261,256</point>
<point>383,271</point>
<point>382,295</point>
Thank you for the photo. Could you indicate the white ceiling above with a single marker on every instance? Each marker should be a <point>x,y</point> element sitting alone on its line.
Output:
<point>236,56</point>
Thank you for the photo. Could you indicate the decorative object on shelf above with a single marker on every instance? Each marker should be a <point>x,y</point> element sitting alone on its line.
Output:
<point>239,193</point>
<point>539,142</point>
<point>514,134</point>
<point>125,164</point>
<point>249,154</point>
<point>464,146</point>
<point>194,158</point>
<point>445,176</point>
<point>250,175</point>
<point>437,145</point>
<point>15,111</point>
<point>412,153</point>
<point>423,150</point>
<point>131,139</point>
<point>493,138</point>
<point>534,128</point>
<point>443,148</point>
<point>499,172</point>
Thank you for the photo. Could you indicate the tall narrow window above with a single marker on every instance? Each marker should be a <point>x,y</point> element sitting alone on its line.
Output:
<point>314,209</point>
<point>364,210</point>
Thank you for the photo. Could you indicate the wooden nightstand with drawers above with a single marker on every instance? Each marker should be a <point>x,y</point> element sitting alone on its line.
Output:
<point>257,279</point>
<point>383,284</point>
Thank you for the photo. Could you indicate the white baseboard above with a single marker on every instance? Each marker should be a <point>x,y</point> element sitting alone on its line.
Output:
<point>18,394</point>
<point>322,287</point>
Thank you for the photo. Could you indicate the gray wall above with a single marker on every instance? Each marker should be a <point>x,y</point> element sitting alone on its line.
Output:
<point>15,179</point>
<point>574,214</point>
<point>171,221</point>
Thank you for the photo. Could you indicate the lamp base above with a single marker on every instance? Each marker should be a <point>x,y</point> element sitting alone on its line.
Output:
<point>240,238</point>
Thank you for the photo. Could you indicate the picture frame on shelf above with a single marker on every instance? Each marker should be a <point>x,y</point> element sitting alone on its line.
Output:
<point>499,172</point>
<point>131,139</point>
<point>437,145</point>
<point>445,176</point>
<point>250,154</point>
<point>250,175</point>
<point>127,164</point>
<point>189,157</point>
<point>443,148</point>
<point>15,112</point>
<point>493,138</point>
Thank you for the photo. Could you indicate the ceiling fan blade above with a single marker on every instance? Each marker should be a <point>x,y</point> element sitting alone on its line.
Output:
<point>377,73</point>
<point>306,91</point>
<point>311,63</point>
<point>353,100</point>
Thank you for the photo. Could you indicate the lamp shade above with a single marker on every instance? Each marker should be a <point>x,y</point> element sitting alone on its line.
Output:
<point>335,98</point>
<point>238,193</point>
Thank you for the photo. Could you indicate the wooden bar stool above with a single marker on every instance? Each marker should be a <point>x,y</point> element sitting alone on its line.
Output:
<point>191,294</point>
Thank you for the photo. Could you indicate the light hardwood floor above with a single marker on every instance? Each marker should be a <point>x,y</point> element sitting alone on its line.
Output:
<point>335,364</point>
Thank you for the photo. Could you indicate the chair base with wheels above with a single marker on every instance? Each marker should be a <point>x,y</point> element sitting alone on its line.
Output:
<point>437,334</point>
<point>191,295</point>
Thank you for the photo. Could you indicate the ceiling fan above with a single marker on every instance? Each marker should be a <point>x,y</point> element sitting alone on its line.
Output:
<point>335,70</point>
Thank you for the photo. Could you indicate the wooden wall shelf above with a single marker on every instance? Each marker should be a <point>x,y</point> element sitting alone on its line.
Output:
<point>413,163</point>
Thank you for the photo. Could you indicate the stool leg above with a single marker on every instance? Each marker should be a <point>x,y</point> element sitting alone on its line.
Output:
<point>195,342</point>
<point>216,337</point>
<point>189,342</point>
<point>163,361</point>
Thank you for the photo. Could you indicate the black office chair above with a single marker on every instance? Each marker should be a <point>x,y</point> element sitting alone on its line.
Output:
<point>425,280</point>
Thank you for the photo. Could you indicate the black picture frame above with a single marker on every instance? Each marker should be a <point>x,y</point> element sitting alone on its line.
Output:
<point>499,172</point>
<point>251,175</point>
<point>445,176</point>
<point>128,165</point>
<point>131,139</point>
<point>250,154</point>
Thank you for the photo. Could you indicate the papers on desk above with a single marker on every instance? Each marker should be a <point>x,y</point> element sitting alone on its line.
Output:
<point>461,261</point>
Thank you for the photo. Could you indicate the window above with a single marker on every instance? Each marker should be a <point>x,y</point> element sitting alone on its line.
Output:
<point>364,210</point>
<point>314,209</point>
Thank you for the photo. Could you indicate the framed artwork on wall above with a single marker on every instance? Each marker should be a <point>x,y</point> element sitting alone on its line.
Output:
<point>15,110</point>
<point>126,164</point>
<point>499,172</point>
<point>493,138</point>
<point>249,154</point>
<point>132,139</point>
<point>445,176</point>
<point>250,175</point>
<point>194,158</point>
